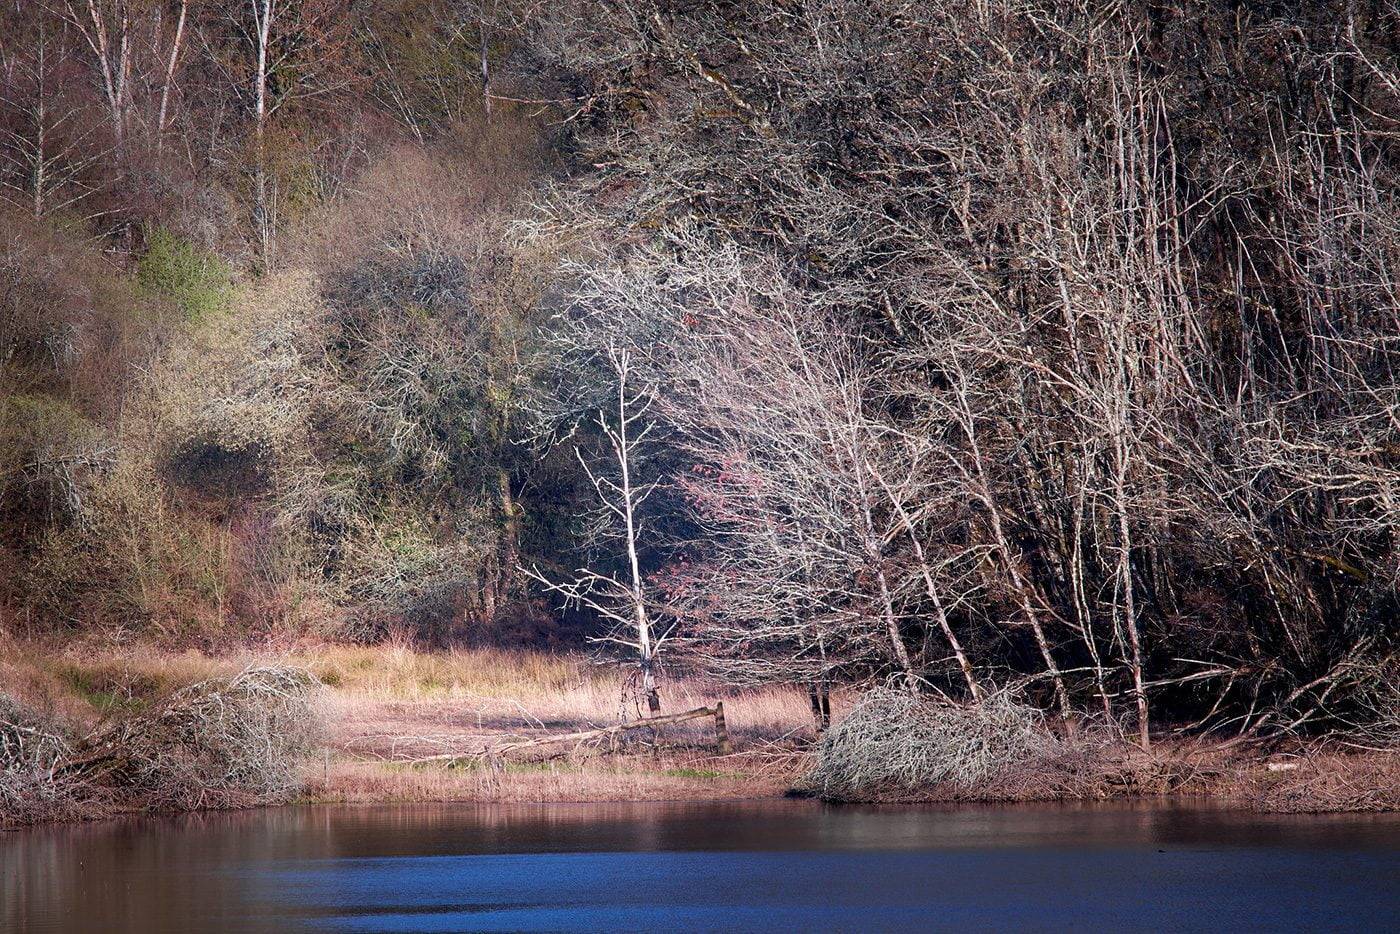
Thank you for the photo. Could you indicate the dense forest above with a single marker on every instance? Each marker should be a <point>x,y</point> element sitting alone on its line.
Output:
<point>948,347</point>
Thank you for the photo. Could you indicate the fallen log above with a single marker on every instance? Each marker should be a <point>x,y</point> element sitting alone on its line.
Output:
<point>581,736</point>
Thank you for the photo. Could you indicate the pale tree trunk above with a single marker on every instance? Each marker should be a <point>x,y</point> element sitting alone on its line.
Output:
<point>624,457</point>
<point>263,13</point>
<point>1081,603</point>
<point>162,118</point>
<point>1009,560</point>
<point>1130,622</point>
<point>877,558</point>
<point>873,549</point>
<point>41,126</point>
<point>931,589</point>
<point>1127,604</point>
<point>113,54</point>
<point>621,599</point>
<point>483,37</point>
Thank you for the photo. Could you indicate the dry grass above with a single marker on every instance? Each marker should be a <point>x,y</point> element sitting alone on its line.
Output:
<point>670,775</point>
<point>392,702</point>
<point>387,703</point>
<point>1320,782</point>
<point>492,688</point>
<point>80,684</point>
<point>513,690</point>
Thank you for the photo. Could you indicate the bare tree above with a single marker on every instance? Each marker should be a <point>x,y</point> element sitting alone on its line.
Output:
<point>621,599</point>
<point>50,155</point>
<point>293,52</point>
<point>168,80</point>
<point>106,27</point>
<point>802,572</point>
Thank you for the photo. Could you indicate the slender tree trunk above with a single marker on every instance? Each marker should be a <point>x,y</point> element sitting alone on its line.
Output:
<point>1081,603</point>
<point>877,560</point>
<point>874,550</point>
<point>973,687</point>
<point>162,118</point>
<point>901,651</point>
<point>510,543</point>
<point>819,696</point>
<point>1013,569</point>
<point>263,11</point>
<point>484,40</point>
<point>1130,617</point>
<point>114,63</point>
<point>644,642</point>
<point>40,125</point>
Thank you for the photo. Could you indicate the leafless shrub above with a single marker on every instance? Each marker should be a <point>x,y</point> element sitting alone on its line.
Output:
<point>217,743</point>
<point>893,744</point>
<point>30,753</point>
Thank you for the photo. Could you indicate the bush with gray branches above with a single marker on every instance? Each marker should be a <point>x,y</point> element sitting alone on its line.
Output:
<point>218,743</point>
<point>894,744</point>
<point>31,750</point>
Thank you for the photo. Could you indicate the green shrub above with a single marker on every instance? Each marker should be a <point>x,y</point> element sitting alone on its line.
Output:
<point>199,282</point>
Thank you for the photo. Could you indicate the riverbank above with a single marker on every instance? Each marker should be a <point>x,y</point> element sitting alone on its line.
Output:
<point>384,710</point>
<point>391,714</point>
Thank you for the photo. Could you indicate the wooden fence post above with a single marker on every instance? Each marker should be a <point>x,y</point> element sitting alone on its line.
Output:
<point>721,730</point>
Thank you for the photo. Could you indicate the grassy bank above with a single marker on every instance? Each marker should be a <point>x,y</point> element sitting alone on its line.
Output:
<point>383,708</point>
<point>388,713</point>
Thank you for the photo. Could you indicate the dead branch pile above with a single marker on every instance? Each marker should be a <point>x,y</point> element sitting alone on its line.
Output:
<point>219,743</point>
<point>893,744</point>
<point>30,751</point>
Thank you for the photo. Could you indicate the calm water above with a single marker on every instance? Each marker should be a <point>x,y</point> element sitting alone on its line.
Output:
<point>773,866</point>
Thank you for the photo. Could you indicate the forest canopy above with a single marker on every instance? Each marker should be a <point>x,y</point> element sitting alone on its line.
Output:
<point>938,345</point>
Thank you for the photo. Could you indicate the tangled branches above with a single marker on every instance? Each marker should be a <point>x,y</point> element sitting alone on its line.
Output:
<point>216,743</point>
<point>219,743</point>
<point>30,752</point>
<point>893,743</point>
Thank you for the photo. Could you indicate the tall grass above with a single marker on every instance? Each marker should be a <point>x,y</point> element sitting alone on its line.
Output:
<point>536,688</point>
<point>489,687</point>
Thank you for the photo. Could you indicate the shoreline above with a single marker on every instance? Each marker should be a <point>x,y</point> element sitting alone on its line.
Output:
<point>1316,783</point>
<point>388,714</point>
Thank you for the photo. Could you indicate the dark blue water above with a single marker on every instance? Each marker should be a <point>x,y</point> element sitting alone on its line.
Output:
<point>749,866</point>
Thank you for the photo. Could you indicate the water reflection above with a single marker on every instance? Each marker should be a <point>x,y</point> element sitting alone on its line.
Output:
<point>720,866</point>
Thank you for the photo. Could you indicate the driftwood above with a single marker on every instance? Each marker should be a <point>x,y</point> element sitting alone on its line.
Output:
<point>581,736</point>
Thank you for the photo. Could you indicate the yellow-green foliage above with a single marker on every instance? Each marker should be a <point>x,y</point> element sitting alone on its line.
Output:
<point>48,454</point>
<point>31,422</point>
<point>196,280</point>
